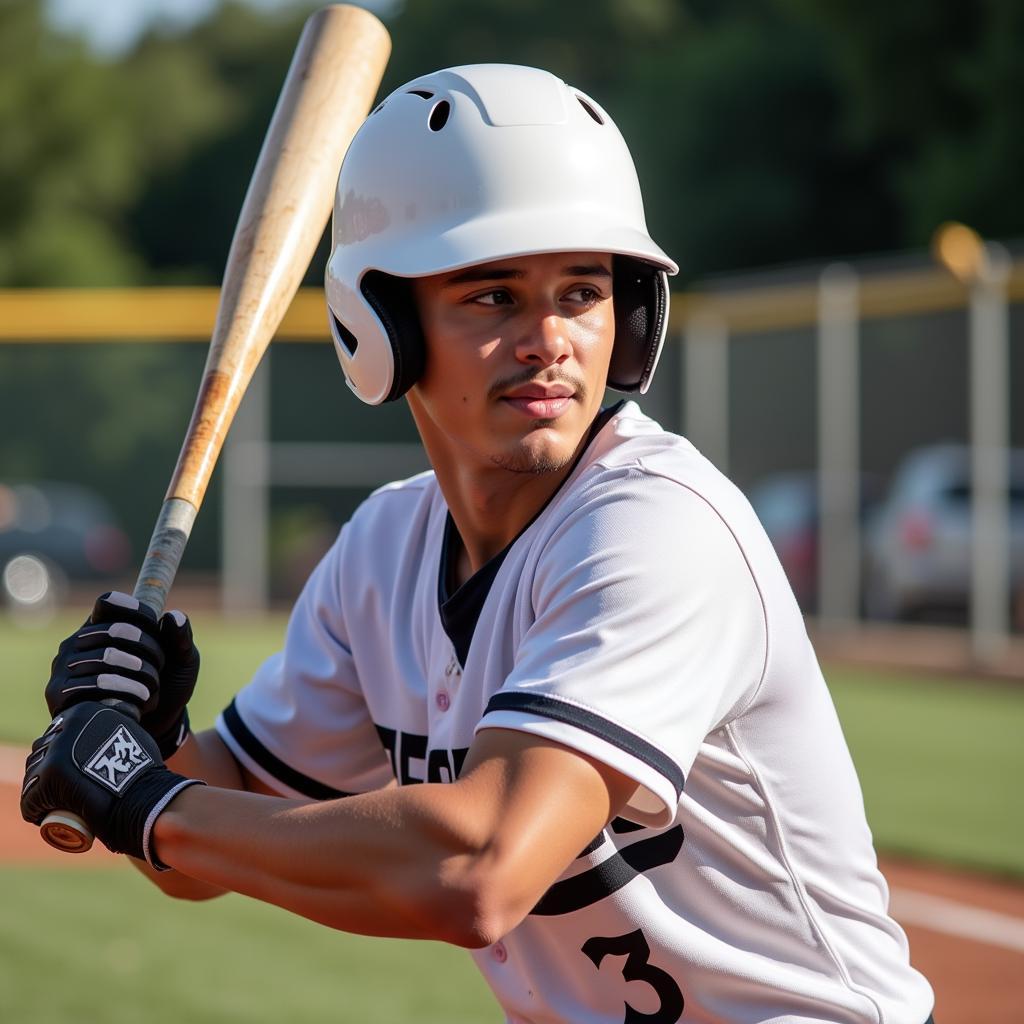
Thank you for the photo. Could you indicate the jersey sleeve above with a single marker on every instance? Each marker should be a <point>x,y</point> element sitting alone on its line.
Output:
<point>301,724</point>
<point>648,631</point>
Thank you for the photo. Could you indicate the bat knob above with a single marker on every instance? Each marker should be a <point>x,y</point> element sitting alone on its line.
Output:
<point>66,832</point>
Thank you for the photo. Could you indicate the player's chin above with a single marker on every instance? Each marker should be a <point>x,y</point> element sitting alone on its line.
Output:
<point>547,448</point>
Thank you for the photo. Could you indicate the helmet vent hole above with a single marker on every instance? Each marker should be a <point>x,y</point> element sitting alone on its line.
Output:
<point>377,109</point>
<point>590,110</point>
<point>421,92</point>
<point>439,116</point>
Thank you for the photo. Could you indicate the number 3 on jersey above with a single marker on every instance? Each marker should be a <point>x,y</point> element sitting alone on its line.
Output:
<point>633,946</point>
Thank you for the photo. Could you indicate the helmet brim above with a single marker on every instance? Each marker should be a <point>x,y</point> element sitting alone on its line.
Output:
<point>507,236</point>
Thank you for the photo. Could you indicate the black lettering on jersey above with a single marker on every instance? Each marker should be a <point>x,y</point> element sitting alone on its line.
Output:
<point>390,740</point>
<point>592,845</point>
<point>588,887</point>
<point>439,767</point>
<point>445,765</point>
<point>403,747</point>
<point>618,826</point>
<point>410,748</point>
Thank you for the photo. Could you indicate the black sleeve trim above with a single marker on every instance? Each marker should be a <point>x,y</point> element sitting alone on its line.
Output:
<point>560,711</point>
<point>275,766</point>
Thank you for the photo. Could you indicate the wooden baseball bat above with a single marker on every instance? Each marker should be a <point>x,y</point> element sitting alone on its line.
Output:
<point>331,83</point>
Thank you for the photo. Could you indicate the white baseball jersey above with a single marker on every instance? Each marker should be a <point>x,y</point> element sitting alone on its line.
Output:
<point>643,619</point>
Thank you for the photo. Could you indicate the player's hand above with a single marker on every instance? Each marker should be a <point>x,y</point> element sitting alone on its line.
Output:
<point>103,766</point>
<point>123,651</point>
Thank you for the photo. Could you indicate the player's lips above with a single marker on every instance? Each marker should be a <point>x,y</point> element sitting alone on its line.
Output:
<point>540,401</point>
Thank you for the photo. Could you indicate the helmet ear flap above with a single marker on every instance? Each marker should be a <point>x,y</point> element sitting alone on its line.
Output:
<point>641,318</point>
<point>394,303</point>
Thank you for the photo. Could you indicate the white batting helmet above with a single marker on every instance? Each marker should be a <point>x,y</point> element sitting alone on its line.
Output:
<point>474,164</point>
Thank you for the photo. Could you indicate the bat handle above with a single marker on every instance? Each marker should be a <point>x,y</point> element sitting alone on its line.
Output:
<point>64,830</point>
<point>165,551</point>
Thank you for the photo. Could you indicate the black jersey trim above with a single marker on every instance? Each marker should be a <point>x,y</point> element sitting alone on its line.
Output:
<point>588,887</point>
<point>588,721</point>
<point>272,764</point>
<point>460,608</point>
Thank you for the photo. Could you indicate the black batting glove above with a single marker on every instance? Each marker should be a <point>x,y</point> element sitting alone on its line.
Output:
<point>168,723</point>
<point>103,766</point>
<point>123,651</point>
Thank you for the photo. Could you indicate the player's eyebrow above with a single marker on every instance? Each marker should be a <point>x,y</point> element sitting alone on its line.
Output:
<point>474,274</point>
<point>587,270</point>
<point>483,274</point>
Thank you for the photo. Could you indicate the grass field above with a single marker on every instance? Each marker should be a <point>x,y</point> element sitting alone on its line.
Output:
<point>940,762</point>
<point>104,947</point>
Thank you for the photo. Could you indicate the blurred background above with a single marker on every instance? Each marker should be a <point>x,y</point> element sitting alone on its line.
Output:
<point>840,183</point>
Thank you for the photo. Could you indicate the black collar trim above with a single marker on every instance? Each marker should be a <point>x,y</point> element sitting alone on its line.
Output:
<point>460,609</point>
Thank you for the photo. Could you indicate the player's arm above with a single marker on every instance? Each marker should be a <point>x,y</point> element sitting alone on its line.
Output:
<point>461,862</point>
<point>205,756</point>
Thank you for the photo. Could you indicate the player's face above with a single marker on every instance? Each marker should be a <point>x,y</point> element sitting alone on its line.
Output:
<point>517,358</point>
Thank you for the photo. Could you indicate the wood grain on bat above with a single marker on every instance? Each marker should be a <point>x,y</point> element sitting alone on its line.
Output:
<point>331,84</point>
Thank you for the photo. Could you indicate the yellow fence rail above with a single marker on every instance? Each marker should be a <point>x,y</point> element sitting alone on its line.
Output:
<point>187,314</point>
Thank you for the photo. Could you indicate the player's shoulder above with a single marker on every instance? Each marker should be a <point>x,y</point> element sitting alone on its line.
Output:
<point>395,501</point>
<point>640,486</point>
<point>635,453</point>
<point>392,516</point>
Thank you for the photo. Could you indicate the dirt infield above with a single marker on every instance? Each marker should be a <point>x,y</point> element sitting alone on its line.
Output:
<point>966,936</point>
<point>966,931</point>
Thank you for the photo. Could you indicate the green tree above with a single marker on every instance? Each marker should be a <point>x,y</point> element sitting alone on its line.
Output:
<point>935,92</point>
<point>64,170</point>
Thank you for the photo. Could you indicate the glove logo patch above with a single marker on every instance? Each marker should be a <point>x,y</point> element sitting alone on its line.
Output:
<point>118,761</point>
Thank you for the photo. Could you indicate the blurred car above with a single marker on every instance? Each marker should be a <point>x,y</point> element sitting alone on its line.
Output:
<point>918,550</point>
<point>789,509</point>
<point>53,534</point>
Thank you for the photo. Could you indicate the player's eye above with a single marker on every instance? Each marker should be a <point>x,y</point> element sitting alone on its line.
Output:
<point>585,294</point>
<point>496,297</point>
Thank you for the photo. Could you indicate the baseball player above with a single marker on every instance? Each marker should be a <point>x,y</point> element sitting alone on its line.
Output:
<point>552,701</point>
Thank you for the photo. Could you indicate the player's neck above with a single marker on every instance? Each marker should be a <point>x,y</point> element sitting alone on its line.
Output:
<point>490,502</point>
<point>491,507</point>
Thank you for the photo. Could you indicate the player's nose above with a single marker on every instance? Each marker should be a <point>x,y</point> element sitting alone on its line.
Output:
<point>544,341</point>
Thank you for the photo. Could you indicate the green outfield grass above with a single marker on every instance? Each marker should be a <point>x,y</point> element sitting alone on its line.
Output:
<point>104,947</point>
<point>941,762</point>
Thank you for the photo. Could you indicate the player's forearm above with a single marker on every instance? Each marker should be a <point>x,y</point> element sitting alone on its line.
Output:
<point>397,862</point>
<point>202,756</point>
